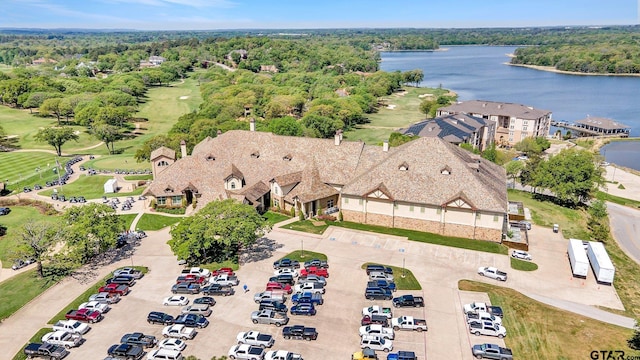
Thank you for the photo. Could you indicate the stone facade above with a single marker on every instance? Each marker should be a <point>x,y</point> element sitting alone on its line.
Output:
<point>418,225</point>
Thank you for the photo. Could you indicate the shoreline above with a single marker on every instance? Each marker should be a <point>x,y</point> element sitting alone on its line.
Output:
<point>554,70</point>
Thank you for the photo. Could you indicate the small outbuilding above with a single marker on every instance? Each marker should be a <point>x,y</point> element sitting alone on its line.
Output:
<point>111,186</point>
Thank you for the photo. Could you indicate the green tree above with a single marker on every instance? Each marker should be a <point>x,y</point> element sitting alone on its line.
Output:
<point>397,139</point>
<point>322,126</point>
<point>513,169</point>
<point>38,240</point>
<point>92,229</point>
<point>533,146</point>
<point>634,341</point>
<point>217,232</point>
<point>598,209</point>
<point>109,134</point>
<point>490,153</point>
<point>36,99</point>
<point>53,106</point>
<point>56,137</point>
<point>287,126</point>
<point>428,108</point>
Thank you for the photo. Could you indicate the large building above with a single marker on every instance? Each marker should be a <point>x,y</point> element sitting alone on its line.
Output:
<point>456,129</point>
<point>426,184</point>
<point>513,122</point>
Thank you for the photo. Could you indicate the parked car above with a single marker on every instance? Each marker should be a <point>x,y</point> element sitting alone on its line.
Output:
<point>198,309</point>
<point>524,224</point>
<point>246,352</point>
<point>378,275</point>
<point>277,286</point>
<point>378,330</point>
<point>519,254</point>
<point>4,211</point>
<point>487,328</point>
<point>299,332</point>
<point>105,298</point>
<point>165,354</point>
<point>121,290</point>
<point>205,300</point>
<point>269,317</point>
<point>408,301</point>
<point>223,270</point>
<point>376,343</point>
<point>384,284</point>
<point>63,338</point>
<point>483,316</point>
<point>402,355</point>
<point>377,293</point>
<point>409,323</point>
<point>86,315</point>
<point>172,344</point>
<point>140,339</point>
<point>282,355</point>
<point>491,351</point>
<point>156,317</point>
<point>493,273</point>
<point>198,271</point>
<point>315,271</point>
<point>255,338</point>
<point>48,351</point>
<point>478,306</point>
<point>273,305</point>
<point>128,271</point>
<point>95,305</point>
<point>192,320</point>
<point>191,279</point>
<point>303,309</point>
<point>374,319</point>
<point>177,300</point>
<point>313,278</point>
<point>126,351</point>
<point>185,288</point>
<point>224,279</point>
<point>215,289</point>
<point>286,271</point>
<point>179,331</point>
<point>20,263</point>
<point>317,263</point>
<point>122,280</point>
<point>378,268</point>
<point>377,310</point>
<point>286,263</point>
<point>365,354</point>
<point>307,297</point>
<point>73,326</point>
<point>275,295</point>
<point>284,279</point>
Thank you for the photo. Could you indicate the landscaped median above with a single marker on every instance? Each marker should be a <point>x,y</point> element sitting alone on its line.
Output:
<point>403,277</point>
<point>20,289</point>
<point>522,265</point>
<point>536,331</point>
<point>37,338</point>
<point>151,222</point>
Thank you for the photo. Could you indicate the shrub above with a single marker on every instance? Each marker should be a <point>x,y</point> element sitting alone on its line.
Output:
<point>293,211</point>
<point>340,216</point>
<point>326,217</point>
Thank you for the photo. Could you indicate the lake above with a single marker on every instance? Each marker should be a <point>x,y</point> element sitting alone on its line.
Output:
<point>479,72</point>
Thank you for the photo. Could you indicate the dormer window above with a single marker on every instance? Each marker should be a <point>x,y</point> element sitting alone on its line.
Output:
<point>211,158</point>
<point>403,167</point>
<point>168,189</point>
<point>163,163</point>
<point>445,170</point>
<point>255,154</point>
<point>287,157</point>
<point>233,185</point>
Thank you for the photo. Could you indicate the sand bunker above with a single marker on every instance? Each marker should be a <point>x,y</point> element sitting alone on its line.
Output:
<point>391,107</point>
<point>184,97</point>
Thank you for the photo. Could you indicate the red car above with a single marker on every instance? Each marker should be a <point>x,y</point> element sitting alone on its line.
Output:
<point>313,270</point>
<point>191,279</point>
<point>115,289</point>
<point>278,286</point>
<point>228,271</point>
<point>86,315</point>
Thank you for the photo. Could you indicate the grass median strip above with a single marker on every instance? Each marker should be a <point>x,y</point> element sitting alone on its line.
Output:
<point>304,255</point>
<point>403,277</point>
<point>84,297</point>
<point>522,265</point>
<point>537,331</point>
<point>274,217</point>
<point>19,290</point>
<point>37,338</point>
<point>151,222</point>
<point>308,226</point>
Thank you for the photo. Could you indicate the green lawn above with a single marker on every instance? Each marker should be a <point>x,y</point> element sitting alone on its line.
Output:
<point>28,167</point>
<point>112,162</point>
<point>540,332</point>
<point>386,121</point>
<point>274,217</point>
<point>307,226</point>
<point>128,219</point>
<point>139,177</point>
<point>404,278</point>
<point>19,290</point>
<point>430,238</point>
<point>225,264</point>
<point>91,187</point>
<point>150,222</point>
<point>617,200</point>
<point>85,296</point>
<point>304,255</point>
<point>545,213</point>
<point>522,265</point>
<point>18,216</point>
<point>37,338</point>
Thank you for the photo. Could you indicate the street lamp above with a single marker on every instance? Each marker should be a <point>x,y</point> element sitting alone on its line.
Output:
<point>403,268</point>
<point>302,247</point>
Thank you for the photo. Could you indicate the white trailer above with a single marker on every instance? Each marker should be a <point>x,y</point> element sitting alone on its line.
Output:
<point>111,186</point>
<point>578,258</point>
<point>600,262</point>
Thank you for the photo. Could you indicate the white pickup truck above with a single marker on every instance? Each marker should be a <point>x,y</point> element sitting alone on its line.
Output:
<point>225,280</point>
<point>483,316</point>
<point>63,338</point>
<point>493,273</point>
<point>377,310</point>
<point>487,328</point>
<point>409,323</point>
<point>73,326</point>
<point>255,338</point>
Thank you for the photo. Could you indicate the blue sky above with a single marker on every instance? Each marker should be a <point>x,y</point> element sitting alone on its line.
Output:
<point>265,14</point>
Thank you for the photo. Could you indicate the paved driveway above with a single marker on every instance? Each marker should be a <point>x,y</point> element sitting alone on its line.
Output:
<point>625,226</point>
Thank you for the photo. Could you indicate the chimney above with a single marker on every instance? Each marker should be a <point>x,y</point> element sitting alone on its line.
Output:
<point>337,138</point>
<point>385,146</point>
<point>183,148</point>
<point>252,124</point>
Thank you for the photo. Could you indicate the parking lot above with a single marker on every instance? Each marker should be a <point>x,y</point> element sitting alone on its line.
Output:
<point>437,268</point>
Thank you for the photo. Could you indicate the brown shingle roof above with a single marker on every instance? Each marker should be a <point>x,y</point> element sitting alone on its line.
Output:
<point>496,108</point>
<point>234,172</point>
<point>310,187</point>
<point>288,179</point>
<point>162,151</point>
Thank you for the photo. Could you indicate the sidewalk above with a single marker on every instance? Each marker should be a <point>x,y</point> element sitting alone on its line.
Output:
<point>629,181</point>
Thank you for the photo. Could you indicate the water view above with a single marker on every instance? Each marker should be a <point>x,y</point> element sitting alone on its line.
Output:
<point>478,72</point>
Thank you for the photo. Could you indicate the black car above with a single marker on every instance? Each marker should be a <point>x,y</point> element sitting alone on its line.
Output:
<point>192,320</point>
<point>4,210</point>
<point>299,332</point>
<point>273,305</point>
<point>376,267</point>
<point>285,279</point>
<point>205,300</point>
<point>123,280</point>
<point>286,263</point>
<point>156,317</point>
<point>377,293</point>
<point>216,289</point>
<point>126,351</point>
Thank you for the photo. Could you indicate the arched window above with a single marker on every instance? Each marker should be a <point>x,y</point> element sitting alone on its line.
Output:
<point>163,163</point>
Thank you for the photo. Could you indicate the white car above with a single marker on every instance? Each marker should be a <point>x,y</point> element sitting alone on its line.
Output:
<point>286,271</point>
<point>519,254</point>
<point>246,352</point>
<point>282,355</point>
<point>200,271</point>
<point>377,329</point>
<point>95,305</point>
<point>63,338</point>
<point>179,331</point>
<point>73,326</point>
<point>176,300</point>
<point>376,343</point>
<point>164,354</point>
<point>172,344</point>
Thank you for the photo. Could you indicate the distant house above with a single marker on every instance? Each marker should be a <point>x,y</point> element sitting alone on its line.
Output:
<point>154,61</point>
<point>243,54</point>
<point>42,61</point>
<point>513,122</point>
<point>603,126</point>
<point>456,129</point>
<point>269,68</point>
<point>426,184</point>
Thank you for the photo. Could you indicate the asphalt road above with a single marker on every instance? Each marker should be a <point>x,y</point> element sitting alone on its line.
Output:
<point>625,227</point>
